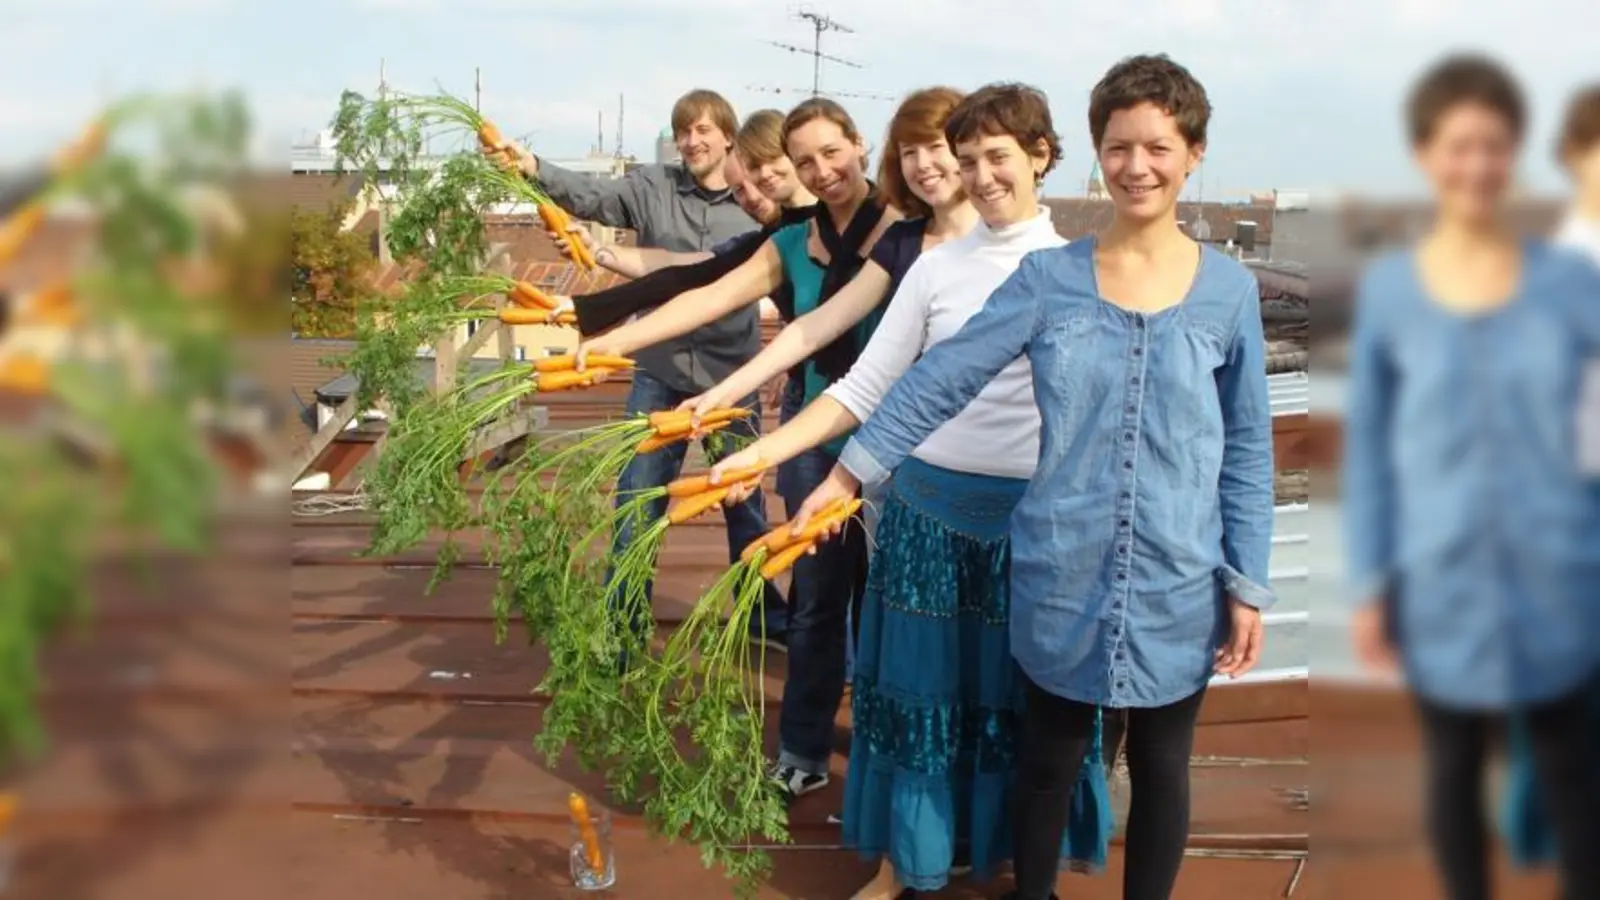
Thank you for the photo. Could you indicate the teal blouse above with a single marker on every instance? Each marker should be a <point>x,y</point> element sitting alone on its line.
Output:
<point>805,280</point>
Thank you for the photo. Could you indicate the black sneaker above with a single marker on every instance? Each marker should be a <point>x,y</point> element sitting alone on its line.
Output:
<point>796,783</point>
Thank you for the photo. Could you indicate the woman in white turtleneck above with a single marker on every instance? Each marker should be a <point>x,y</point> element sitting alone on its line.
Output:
<point>935,700</point>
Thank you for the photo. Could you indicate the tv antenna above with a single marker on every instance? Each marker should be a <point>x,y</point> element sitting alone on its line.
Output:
<point>850,95</point>
<point>819,24</point>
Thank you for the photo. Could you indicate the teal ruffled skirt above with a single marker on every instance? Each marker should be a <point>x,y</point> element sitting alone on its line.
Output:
<point>936,704</point>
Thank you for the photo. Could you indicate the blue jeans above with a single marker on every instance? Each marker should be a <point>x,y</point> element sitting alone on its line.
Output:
<point>824,600</point>
<point>745,522</point>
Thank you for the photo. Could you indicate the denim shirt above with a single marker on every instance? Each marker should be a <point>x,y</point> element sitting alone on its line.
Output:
<point>1465,506</point>
<point>1153,497</point>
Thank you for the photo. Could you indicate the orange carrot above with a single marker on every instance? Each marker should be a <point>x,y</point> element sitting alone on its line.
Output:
<point>566,361</point>
<point>783,537</point>
<point>88,145</point>
<point>657,441</point>
<point>696,506</point>
<point>51,306</point>
<point>518,315</point>
<point>784,560</point>
<point>579,808</point>
<point>16,229</point>
<point>26,375</point>
<point>489,136</point>
<point>828,518</point>
<point>694,484</point>
<point>569,379</point>
<point>8,811</point>
<point>673,419</point>
<point>529,297</point>
<point>555,220</point>
<point>567,318</point>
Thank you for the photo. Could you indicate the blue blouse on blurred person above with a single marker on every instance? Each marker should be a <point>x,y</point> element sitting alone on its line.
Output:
<point>1467,503</point>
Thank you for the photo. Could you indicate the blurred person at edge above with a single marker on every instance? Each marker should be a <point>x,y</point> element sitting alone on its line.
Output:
<point>1523,820</point>
<point>1472,529</point>
<point>1579,153</point>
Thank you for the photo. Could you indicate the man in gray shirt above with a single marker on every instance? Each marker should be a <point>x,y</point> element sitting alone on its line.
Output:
<point>682,207</point>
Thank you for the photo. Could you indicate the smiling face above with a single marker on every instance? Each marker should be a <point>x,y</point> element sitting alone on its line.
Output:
<point>776,179</point>
<point>1146,161</point>
<point>827,160</point>
<point>931,172</point>
<point>1000,178</point>
<point>756,204</point>
<point>703,146</point>
<point>1469,158</point>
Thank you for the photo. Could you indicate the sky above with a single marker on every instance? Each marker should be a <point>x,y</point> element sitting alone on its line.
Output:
<point>1306,93</point>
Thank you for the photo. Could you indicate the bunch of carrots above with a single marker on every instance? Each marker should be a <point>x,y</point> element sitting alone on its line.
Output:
<point>782,547</point>
<point>25,222</point>
<point>495,145</point>
<point>555,218</point>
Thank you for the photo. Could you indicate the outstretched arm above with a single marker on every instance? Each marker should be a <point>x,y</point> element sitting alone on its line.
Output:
<point>801,338</point>
<point>604,309</point>
<point>755,278</point>
<point>948,376</point>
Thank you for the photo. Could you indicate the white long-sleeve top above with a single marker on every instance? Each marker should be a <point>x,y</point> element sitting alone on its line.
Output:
<point>998,433</point>
<point>1581,234</point>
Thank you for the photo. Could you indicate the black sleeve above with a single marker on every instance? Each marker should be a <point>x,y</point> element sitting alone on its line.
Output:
<point>16,191</point>
<point>608,308</point>
<point>890,250</point>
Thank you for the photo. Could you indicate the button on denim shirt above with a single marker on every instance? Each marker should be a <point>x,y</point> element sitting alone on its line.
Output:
<point>1153,496</point>
<point>1465,503</point>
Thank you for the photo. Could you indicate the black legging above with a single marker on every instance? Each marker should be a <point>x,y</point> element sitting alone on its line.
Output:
<point>1056,735</point>
<point>1457,745</point>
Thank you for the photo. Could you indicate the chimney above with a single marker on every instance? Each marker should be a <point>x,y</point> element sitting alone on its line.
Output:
<point>1245,234</point>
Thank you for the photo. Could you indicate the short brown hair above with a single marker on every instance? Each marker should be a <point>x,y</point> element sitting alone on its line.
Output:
<point>819,108</point>
<point>1580,131</point>
<point>760,138</point>
<point>701,102</point>
<point>1007,108</point>
<point>1156,80</point>
<point>1459,80</point>
<point>919,120</point>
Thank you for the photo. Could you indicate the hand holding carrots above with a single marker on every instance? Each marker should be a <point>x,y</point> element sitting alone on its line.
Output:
<point>729,469</point>
<point>597,347</point>
<point>509,154</point>
<point>785,544</point>
<point>698,494</point>
<point>574,234</point>
<point>840,486</point>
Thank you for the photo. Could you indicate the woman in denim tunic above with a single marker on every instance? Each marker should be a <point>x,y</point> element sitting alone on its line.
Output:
<point>1140,546</point>
<point>1472,522</point>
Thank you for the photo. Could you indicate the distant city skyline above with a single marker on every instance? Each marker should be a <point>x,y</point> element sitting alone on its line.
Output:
<point>1303,99</point>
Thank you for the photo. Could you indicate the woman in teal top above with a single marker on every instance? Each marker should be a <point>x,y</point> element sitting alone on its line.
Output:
<point>805,277</point>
